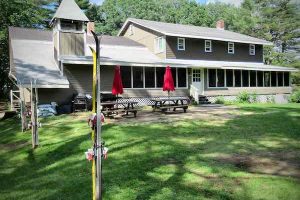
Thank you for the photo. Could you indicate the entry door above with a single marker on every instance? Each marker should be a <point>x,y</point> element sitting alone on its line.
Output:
<point>197,80</point>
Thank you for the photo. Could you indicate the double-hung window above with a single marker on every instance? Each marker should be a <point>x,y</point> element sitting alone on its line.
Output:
<point>159,44</point>
<point>252,49</point>
<point>130,29</point>
<point>230,47</point>
<point>180,44</point>
<point>208,46</point>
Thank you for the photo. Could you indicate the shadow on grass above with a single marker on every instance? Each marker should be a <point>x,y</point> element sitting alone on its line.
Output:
<point>181,160</point>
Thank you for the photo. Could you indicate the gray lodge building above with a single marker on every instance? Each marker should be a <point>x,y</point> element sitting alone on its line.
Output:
<point>205,61</point>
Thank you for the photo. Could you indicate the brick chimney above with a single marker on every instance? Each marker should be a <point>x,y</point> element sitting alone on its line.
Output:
<point>220,24</point>
<point>90,26</point>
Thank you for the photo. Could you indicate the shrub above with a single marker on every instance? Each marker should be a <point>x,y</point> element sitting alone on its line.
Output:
<point>243,97</point>
<point>295,97</point>
<point>220,100</point>
<point>253,98</point>
<point>271,99</point>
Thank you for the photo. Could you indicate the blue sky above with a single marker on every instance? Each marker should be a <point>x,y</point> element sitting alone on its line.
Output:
<point>97,1</point>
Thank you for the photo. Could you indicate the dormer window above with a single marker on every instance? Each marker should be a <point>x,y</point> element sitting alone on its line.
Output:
<point>230,47</point>
<point>159,44</point>
<point>208,46</point>
<point>252,49</point>
<point>180,44</point>
<point>130,29</point>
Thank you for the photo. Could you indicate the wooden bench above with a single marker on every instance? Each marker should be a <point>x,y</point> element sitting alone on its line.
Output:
<point>165,108</point>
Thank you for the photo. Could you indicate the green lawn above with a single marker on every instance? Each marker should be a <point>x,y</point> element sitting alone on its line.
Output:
<point>255,155</point>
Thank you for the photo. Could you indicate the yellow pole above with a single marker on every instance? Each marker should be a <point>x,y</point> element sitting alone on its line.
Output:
<point>94,111</point>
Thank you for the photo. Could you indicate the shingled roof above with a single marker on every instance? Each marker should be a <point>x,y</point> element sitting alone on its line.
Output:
<point>31,59</point>
<point>68,9</point>
<point>189,31</point>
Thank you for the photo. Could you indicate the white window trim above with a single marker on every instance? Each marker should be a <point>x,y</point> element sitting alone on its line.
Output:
<point>156,44</point>
<point>210,46</point>
<point>230,48</point>
<point>155,78</point>
<point>252,49</point>
<point>179,40</point>
<point>131,29</point>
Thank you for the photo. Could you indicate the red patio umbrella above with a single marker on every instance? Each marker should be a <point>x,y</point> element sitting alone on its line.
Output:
<point>117,87</point>
<point>168,80</point>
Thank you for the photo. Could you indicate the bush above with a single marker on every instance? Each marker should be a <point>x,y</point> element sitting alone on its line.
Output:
<point>295,97</point>
<point>243,97</point>
<point>253,98</point>
<point>220,100</point>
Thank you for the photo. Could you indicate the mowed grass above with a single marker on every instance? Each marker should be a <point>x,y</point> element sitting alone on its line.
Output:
<point>254,155</point>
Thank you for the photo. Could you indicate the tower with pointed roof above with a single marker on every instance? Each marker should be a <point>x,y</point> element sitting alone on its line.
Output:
<point>69,35</point>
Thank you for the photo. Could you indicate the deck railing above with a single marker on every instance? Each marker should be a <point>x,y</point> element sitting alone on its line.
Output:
<point>14,98</point>
<point>194,92</point>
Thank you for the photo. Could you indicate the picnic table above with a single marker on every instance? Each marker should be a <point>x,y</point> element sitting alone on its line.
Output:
<point>112,107</point>
<point>164,104</point>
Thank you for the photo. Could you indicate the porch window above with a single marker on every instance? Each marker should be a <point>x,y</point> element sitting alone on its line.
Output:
<point>174,76</point>
<point>260,78</point>
<point>137,75</point>
<point>208,46</point>
<point>252,49</point>
<point>230,47</point>
<point>126,76</point>
<point>229,78</point>
<point>286,79</point>
<point>245,78</point>
<point>273,79</point>
<point>267,77</point>
<point>181,44</point>
<point>220,77</point>
<point>160,71</point>
<point>181,73</point>
<point>237,78</point>
<point>149,77</point>
<point>212,77</point>
<point>280,78</point>
<point>252,78</point>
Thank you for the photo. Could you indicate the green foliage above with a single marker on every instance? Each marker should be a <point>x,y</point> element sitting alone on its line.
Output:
<point>295,97</point>
<point>20,13</point>
<point>220,100</point>
<point>253,98</point>
<point>244,97</point>
<point>271,99</point>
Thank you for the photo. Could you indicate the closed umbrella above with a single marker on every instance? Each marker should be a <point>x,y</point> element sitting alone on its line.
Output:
<point>117,87</point>
<point>168,81</point>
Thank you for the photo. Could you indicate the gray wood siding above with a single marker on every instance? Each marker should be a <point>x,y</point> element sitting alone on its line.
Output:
<point>80,78</point>
<point>194,49</point>
<point>71,43</point>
